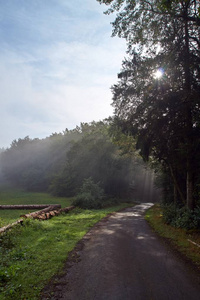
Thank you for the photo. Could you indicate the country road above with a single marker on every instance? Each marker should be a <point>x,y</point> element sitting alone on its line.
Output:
<point>123,259</point>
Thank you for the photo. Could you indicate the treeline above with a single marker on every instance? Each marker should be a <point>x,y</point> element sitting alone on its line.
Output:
<point>61,162</point>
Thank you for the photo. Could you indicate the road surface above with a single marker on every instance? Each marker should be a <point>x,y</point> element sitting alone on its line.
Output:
<point>122,259</point>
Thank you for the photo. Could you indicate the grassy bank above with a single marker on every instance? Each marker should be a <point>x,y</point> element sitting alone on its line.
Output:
<point>186,242</point>
<point>31,254</point>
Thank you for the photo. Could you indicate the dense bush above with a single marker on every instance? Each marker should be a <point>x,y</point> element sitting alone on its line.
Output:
<point>181,217</point>
<point>91,195</point>
<point>169,213</point>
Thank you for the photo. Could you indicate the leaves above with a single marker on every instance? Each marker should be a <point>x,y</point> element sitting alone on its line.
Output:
<point>161,113</point>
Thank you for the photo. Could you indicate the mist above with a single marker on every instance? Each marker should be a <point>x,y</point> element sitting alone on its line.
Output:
<point>145,188</point>
<point>60,163</point>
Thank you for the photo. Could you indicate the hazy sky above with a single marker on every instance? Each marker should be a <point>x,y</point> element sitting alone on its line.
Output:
<point>57,63</point>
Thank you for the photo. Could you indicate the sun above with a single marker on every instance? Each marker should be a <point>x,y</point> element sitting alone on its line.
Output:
<point>158,73</point>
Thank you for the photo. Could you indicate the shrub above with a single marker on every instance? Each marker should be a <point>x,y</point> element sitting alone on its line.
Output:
<point>185,219</point>
<point>87,201</point>
<point>91,195</point>
<point>197,216</point>
<point>169,213</point>
<point>181,217</point>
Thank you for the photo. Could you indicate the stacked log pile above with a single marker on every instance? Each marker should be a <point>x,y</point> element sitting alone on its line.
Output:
<point>44,214</point>
<point>47,212</point>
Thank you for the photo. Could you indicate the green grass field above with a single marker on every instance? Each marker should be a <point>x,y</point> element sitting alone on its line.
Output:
<point>14,196</point>
<point>31,254</point>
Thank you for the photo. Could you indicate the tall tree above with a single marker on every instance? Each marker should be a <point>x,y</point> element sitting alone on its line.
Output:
<point>164,113</point>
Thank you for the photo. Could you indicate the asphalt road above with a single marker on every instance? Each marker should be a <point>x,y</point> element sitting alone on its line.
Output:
<point>123,259</point>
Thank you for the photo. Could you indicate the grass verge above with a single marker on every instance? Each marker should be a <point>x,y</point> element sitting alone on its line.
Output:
<point>31,254</point>
<point>184,241</point>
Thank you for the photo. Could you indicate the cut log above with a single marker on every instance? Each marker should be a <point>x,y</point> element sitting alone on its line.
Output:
<point>5,228</point>
<point>41,217</point>
<point>48,212</point>
<point>56,212</point>
<point>66,209</point>
<point>35,214</point>
<point>52,213</point>
<point>43,214</point>
<point>30,206</point>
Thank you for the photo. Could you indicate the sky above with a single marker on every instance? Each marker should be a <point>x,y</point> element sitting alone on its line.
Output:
<point>57,64</point>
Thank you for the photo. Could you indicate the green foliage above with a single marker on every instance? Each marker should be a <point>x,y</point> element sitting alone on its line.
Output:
<point>96,156</point>
<point>91,195</point>
<point>181,217</point>
<point>169,213</point>
<point>63,185</point>
<point>162,114</point>
<point>87,201</point>
<point>33,253</point>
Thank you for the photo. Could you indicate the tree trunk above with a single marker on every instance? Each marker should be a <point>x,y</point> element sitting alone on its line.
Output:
<point>9,226</point>
<point>176,187</point>
<point>30,206</point>
<point>175,194</point>
<point>189,120</point>
<point>189,183</point>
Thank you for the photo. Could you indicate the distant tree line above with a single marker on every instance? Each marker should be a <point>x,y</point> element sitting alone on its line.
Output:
<point>61,162</point>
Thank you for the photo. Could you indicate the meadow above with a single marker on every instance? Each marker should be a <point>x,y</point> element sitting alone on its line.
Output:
<point>12,196</point>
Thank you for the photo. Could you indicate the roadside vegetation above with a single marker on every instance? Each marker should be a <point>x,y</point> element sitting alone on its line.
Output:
<point>185,241</point>
<point>31,254</point>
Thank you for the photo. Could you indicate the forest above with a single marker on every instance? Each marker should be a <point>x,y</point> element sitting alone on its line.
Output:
<point>63,163</point>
